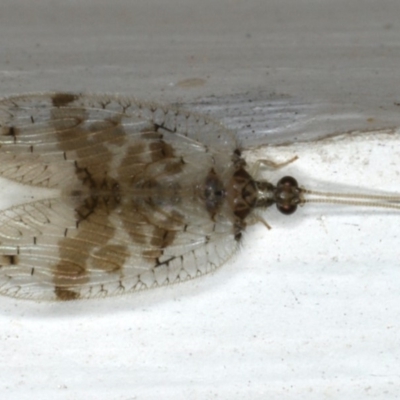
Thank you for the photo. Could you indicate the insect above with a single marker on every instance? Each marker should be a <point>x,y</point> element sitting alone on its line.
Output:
<point>137,195</point>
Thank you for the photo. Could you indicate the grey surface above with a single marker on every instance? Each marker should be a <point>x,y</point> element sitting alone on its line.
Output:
<point>270,69</point>
<point>311,58</point>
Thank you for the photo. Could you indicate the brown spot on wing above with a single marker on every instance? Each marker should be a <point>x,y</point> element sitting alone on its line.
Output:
<point>8,260</point>
<point>68,274</point>
<point>161,150</point>
<point>110,258</point>
<point>162,237</point>
<point>70,270</point>
<point>65,294</point>
<point>63,99</point>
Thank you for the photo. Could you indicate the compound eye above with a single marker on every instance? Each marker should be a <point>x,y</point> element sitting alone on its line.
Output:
<point>286,209</point>
<point>288,181</point>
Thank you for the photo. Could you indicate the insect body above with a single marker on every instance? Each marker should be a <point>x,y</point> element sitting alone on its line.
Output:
<point>141,196</point>
<point>133,196</point>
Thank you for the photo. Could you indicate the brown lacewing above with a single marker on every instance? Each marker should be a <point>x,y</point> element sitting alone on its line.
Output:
<point>135,195</point>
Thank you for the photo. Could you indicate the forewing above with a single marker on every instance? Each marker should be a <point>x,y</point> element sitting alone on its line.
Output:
<point>44,255</point>
<point>40,132</point>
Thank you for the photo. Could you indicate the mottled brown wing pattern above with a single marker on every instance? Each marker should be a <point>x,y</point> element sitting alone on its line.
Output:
<point>130,209</point>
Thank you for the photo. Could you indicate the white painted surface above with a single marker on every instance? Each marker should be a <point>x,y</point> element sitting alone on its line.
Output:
<point>307,310</point>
